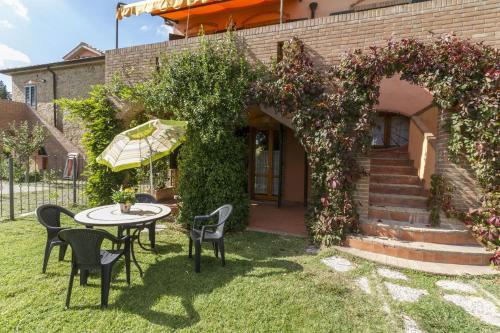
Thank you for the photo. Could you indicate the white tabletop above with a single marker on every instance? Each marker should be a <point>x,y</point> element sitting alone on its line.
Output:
<point>112,216</point>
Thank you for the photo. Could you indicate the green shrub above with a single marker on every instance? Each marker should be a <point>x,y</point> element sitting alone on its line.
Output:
<point>208,88</point>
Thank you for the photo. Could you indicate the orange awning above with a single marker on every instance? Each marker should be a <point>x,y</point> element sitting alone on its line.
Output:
<point>180,9</point>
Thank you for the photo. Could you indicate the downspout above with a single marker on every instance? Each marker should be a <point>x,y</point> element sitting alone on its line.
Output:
<point>54,94</point>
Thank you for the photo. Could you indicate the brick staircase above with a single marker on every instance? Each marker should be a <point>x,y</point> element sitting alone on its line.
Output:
<point>397,226</point>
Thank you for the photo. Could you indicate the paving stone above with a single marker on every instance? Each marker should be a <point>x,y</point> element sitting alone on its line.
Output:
<point>338,263</point>
<point>391,274</point>
<point>312,250</point>
<point>477,307</point>
<point>404,294</point>
<point>364,284</point>
<point>410,325</point>
<point>456,286</point>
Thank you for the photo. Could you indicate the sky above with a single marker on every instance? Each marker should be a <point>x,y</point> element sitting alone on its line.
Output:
<point>36,32</point>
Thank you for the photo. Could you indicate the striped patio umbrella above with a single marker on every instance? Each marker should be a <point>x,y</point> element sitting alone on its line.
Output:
<point>143,144</point>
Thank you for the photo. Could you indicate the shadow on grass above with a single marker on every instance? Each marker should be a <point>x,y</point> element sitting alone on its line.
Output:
<point>174,278</point>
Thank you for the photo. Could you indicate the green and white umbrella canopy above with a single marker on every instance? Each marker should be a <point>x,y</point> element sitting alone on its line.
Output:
<point>143,144</point>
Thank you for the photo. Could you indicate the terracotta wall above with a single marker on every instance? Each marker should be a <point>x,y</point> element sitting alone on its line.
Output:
<point>421,145</point>
<point>56,144</point>
<point>294,169</point>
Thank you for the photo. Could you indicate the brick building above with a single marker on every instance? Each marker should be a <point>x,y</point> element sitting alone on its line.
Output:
<point>37,87</point>
<point>392,199</point>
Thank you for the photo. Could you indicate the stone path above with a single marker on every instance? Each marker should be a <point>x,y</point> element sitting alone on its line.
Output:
<point>404,294</point>
<point>484,309</point>
<point>338,263</point>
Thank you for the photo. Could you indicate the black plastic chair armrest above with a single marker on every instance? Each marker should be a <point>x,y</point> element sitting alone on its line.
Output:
<point>208,226</point>
<point>198,219</point>
<point>67,212</point>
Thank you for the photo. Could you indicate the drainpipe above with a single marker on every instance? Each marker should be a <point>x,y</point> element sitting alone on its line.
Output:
<point>118,5</point>
<point>54,94</point>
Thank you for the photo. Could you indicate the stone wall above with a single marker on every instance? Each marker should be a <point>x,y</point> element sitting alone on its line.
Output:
<point>72,82</point>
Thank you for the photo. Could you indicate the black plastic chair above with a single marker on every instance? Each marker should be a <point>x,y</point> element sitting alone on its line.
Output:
<point>213,233</point>
<point>50,217</point>
<point>151,226</point>
<point>88,255</point>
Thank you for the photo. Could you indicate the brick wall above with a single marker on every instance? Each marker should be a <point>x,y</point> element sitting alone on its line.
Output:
<point>362,192</point>
<point>327,38</point>
<point>72,82</point>
<point>467,192</point>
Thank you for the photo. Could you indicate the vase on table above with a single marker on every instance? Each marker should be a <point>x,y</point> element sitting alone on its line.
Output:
<point>125,207</point>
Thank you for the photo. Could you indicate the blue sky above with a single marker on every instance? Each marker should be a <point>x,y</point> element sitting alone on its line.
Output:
<point>39,31</point>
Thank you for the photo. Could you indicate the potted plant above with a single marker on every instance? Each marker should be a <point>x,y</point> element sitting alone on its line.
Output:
<point>125,198</point>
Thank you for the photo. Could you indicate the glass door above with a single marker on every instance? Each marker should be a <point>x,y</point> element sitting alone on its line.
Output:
<point>266,165</point>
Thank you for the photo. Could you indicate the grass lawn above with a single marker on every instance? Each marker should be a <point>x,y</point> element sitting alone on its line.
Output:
<point>268,284</point>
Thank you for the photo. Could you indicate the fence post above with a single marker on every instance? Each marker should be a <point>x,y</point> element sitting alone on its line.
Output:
<point>11,188</point>
<point>74,179</point>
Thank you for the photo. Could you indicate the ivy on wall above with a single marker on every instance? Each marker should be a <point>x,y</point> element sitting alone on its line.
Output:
<point>101,126</point>
<point>208,88</point>
<point>332,113</point>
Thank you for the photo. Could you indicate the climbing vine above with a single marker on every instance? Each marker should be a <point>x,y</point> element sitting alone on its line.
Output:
<point>99,118</point>
<point>332,111</point>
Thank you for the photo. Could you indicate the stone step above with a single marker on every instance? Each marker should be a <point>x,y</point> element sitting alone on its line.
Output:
<point>394,179</point>
<point>399,189</point>
<point>398,200</point>
<point>422,266</point>
<point>390,154</point>
<point>451,234</point>
<point>404,214</point>
<point>422,251</point>
<point>390,161</point>
<point>393,170</point>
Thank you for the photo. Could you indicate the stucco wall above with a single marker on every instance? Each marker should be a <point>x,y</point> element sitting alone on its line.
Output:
<point>294,169</point>
<point>72,82</point>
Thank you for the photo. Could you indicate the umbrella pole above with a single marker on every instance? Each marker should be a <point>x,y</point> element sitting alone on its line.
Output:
<point>150,168</point>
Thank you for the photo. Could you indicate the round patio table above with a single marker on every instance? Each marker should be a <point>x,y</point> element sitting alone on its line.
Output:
<point>110,216</point>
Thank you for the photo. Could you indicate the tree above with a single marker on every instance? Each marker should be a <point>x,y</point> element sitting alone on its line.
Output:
<point>4,94</point>
<point>23,141</point>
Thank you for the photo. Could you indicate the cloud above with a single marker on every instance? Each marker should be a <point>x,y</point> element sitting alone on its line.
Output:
<point>164,30</point>
<point>8,54</point>
<point>4,25</point>
<point>17,6</point>
<point>145,28</point>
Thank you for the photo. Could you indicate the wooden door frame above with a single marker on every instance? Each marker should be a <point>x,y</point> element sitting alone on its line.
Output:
<point>270,177</point>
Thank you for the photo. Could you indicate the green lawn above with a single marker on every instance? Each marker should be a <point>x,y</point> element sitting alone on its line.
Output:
<point>268,284</point>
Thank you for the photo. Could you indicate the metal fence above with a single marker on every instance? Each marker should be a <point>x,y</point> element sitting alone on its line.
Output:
<point>24,185</point>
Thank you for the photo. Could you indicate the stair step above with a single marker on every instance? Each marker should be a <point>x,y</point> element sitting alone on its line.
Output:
<point>390,154</point>
<point>452,234</point>
<point>394,179</point>
<point>422,266</point>
<point>393,170</point>
<point>404,214</point>
<point>398,200</point>
<point>401,189</point>
<point>422,251</point>
<point>390,161</point>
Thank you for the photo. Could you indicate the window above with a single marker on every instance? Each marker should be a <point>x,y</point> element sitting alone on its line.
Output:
<point>30,96</point>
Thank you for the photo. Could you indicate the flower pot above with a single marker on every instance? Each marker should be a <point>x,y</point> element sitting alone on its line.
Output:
<point>125,207</point>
